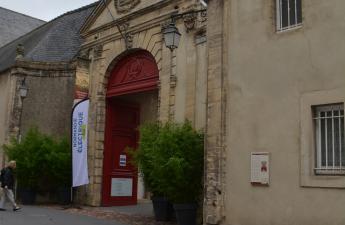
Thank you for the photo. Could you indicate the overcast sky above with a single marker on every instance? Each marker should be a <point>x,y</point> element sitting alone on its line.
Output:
<point>44,9</point>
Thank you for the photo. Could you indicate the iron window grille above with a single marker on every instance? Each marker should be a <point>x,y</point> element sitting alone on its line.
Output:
<point>329,139</point>
<point>289,14</point>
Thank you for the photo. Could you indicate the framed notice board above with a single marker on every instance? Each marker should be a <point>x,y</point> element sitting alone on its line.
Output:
<point>260,168</point>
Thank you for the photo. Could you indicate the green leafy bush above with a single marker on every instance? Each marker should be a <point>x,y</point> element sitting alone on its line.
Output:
<point>171,157</point>
<point>43,162</point>
<point>144,157</point>
<point>179,162</point>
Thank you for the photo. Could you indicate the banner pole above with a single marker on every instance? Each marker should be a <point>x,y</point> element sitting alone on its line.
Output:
<point>71,146</point>
<point>72,123</point>
<point>74,106</point>
<point>71,195</point>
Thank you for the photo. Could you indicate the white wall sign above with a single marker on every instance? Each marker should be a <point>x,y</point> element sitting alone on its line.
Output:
<point>121,187</point>
<point>260,168</point>
<point>123,160</point>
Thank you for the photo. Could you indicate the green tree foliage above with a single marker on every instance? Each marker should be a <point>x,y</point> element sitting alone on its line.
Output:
<point>43,162</point>
<point>171,157</point>
<point>144,157</point>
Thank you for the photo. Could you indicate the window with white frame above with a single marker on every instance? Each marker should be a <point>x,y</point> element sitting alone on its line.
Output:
<point>329,139</point>
<point>289,14</point>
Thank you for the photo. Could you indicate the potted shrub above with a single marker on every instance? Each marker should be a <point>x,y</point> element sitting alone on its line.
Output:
<point>170,156</point>
<point>178,167</point>
<point>143,158</point>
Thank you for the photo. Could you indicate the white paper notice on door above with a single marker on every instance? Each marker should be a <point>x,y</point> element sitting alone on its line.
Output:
<point>123,160</point>
<point>260,168</point>
<point>121,187</point>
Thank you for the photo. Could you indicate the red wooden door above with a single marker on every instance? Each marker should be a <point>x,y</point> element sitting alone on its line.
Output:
<point>133,73</point>
<point>120,179</point>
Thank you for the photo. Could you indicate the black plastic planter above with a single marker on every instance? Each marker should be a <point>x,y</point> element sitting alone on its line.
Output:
<point>162,208</point>
<point>27,196</point>
<point>186,213</point>
<point>64,195</point>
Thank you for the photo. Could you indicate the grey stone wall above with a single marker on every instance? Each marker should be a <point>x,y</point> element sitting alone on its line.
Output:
<point>49,100</point>
<point>4,105</point>
<point>215,157</point>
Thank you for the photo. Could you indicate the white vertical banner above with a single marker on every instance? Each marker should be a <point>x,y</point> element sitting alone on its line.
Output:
<point>80,113</point>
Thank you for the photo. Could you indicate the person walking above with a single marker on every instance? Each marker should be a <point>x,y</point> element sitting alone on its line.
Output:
<point>7,183</point>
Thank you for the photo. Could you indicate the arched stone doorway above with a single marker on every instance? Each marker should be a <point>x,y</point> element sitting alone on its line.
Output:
<point>132,98</point>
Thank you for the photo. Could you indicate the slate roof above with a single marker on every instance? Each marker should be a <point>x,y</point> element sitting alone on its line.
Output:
<point>56,41</point>
<point>14,24</point>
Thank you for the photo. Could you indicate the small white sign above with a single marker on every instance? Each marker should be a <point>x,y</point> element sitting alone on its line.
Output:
<point>260,168</point>
<point>121,187</point>
<point>123,160</point>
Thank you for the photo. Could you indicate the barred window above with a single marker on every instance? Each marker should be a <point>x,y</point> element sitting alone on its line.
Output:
<point>329,137</point>
<point>289,14</point>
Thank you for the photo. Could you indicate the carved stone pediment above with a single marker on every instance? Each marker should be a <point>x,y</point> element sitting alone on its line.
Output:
<point>124,6</point>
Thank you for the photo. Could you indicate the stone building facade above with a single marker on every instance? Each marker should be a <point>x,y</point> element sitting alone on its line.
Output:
<point>274,83</point>
<point>47,63</point>
<point>256,76</point>
<point>250,93</point>
<point>41,107</point>
<point>116,34</point>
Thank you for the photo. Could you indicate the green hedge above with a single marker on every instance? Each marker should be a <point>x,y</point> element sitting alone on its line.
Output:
<point>43,162</point>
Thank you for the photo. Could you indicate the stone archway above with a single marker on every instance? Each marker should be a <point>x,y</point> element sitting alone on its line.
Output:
<point>134,74</point>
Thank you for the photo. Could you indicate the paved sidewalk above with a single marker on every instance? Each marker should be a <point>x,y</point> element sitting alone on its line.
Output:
<point>143,208</point>
<point>141,214</point>
<point>34,215</point>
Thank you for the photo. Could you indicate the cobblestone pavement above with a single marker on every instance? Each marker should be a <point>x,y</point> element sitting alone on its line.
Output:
<point>141,214</point>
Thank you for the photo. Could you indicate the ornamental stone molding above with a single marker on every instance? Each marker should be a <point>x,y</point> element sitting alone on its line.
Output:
<point>125,6</point>
<point>98,50</point>
<point>194,21</point>
<point>84,54</point>
<point>20,51</point>
<point>126,35</point>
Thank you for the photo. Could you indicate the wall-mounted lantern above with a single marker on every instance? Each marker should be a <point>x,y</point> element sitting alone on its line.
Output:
<point>23,89</point>
<point>171,36</point>
<point>171,33</point>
